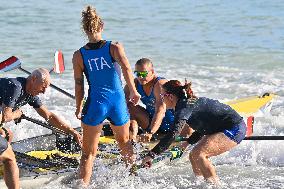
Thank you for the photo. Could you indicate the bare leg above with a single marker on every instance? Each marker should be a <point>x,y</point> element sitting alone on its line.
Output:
<point>11,170</point>
<point>194,165</point>
<point>133,130</point>
<point>138,117</point>
<point>139,114</point>
<point>91,136</point>
<point>121,134</point>
<point>210,145</point>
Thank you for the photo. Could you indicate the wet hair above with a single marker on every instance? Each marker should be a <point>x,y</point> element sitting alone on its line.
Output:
<point>91,21</point>
<point>176,88</point>
<point>144,61</point>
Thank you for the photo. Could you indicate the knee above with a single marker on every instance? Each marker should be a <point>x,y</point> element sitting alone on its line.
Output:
<point>9,157</point>
<point>9,161</point>
<point>88,156</point>
<point>122,139</point>
<point>196,155</point>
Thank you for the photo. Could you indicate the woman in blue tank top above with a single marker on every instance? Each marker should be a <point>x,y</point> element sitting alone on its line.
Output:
<point>217,127</point>
<point>100,61</point>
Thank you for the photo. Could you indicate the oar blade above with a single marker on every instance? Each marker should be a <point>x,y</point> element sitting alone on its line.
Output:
<point>59,66</point>
<point>10,64</point>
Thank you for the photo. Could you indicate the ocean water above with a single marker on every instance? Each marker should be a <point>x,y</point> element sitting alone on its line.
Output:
<point>228,49</point>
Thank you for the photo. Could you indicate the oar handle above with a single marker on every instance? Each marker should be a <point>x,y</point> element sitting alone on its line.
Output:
<point>64,143</point>
<point>179,139</point>
<point>26,71</point>
<point>53,86</point>
<point>264,138</point>
<point>44,124</point>
<point>62,91</point>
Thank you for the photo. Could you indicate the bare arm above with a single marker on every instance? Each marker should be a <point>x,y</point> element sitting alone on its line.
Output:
<point>79,81</point>
<point>8,114</point>
<point>160,107</point>
<point>126,90</point>
<point>117,52</point>
<point>55,121</point>
<point>167,140</point>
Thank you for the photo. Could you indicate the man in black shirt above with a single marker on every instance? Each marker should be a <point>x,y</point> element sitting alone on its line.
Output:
<point>15,93</point>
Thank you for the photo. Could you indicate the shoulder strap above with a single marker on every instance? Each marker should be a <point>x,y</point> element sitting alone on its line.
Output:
<point>156,80</point>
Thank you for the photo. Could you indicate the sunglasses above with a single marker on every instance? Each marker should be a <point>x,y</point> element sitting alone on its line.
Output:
<point>142,74</point>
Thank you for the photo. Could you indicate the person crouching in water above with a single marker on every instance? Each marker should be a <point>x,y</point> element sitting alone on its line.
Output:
<point>218,128</point>
<point>153,118</point>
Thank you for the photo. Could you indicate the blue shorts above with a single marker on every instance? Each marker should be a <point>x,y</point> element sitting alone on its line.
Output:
<point>111,106</point>
<point>237,133</point>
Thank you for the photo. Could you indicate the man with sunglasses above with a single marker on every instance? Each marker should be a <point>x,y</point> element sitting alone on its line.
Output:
<point>154,118</point>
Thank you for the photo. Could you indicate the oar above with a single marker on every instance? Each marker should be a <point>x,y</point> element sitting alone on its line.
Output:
<point>179,139</point>
<point>264,138</point>
<point>104,140</point>
<point>14,63</point>
<point>44,124</point>
<point>63,143</point>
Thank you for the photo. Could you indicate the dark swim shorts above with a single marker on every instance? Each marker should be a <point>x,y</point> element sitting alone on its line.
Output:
<point>3,144</point>
<point>237,133</point>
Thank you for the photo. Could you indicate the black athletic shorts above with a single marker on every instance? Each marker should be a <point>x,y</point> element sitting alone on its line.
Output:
<point>3,144</point>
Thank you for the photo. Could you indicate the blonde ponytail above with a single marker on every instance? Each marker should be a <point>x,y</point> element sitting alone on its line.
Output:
<point>91,21</point>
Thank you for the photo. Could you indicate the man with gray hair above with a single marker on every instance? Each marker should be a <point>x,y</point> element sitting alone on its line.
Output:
<point>15,93</point>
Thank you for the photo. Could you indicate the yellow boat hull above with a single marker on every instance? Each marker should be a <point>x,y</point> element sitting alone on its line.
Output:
<point>251,105</point>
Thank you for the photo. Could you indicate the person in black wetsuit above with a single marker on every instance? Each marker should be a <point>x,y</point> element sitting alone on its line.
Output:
<point>218,128</point>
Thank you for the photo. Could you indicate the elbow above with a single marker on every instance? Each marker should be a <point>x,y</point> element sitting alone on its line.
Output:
<point>7,118</point>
